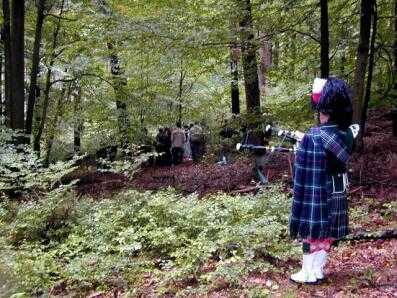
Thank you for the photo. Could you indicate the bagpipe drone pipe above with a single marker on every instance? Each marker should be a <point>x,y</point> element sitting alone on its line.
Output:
<point>262,152</point>
<point>293,137</point>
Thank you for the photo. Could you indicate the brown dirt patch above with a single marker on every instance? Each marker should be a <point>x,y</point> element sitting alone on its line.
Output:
<point>100,184</point>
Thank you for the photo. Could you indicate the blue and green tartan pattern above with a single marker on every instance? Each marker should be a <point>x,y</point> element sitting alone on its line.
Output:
<point>316,211</point>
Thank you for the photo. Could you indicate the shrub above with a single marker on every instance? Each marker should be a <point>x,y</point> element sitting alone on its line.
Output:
<point>44,220</point>
<point>113,242</point>
<point>21,170</point>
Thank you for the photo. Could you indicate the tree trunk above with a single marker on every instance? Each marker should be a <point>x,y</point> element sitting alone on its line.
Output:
<point>54,123</point>
<point>7,62</point>
<point>180,94</point>
<point>235,92</point>
<point>43,118</point>
<point>362,59</point>
<point>118,83</point>
<point>342,66</point>
<point>370,69</point>
<point>78,123</point>
<point>265,58</point>
<point>35,66</point>
<point>37,138</point>
<point>324,40</point>
<point>250,67</point>
<point>395,49</point>
<point>394,108</point>
<point>292,47</point>
<point>2,103</point>
<point>18,64</point>
<point>124,123</point>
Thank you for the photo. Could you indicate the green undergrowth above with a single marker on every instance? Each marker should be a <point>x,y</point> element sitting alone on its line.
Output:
<point>76,245</point>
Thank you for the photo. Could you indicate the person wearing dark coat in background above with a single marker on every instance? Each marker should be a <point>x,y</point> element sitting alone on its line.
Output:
<point>226,144</point>
<point>197,140</point>
<point>253,135</point>
<point>319,213</point>
<point>178,140</point>
<point>161,146</point>
<point>167,142</point>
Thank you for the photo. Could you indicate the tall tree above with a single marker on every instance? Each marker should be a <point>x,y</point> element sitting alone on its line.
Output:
<point>265,60</point>
<point>182,75</point>
<point>2,103</point>
<point>48,83</point>
<point>119,81</point>
<point>395,47</point>
<point>370,67</point>
<point>18,64</point>
<point>5,34</point>
<point>250,67</point>
<point>235,92</point>
<point>235,54</point>
<point>78,122</point>
<point>324,39</point>
<point>362,59</point>
<point>35,65</point>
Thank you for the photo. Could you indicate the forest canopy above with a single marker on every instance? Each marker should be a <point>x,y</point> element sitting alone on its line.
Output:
<point>96,64</point>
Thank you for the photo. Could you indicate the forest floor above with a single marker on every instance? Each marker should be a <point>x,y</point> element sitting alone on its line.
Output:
<point>354,270</point>
<point>361,268</point>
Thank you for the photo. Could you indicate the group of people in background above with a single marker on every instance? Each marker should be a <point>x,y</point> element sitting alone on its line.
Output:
<point>180,143</point>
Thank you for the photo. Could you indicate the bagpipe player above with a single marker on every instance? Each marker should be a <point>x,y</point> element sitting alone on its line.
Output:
<point>319,213</point>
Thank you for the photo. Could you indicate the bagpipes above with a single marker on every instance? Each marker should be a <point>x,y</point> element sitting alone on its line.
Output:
<point>293,137</point>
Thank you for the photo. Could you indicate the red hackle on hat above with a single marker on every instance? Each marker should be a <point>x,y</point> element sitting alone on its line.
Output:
<point>318,86</point>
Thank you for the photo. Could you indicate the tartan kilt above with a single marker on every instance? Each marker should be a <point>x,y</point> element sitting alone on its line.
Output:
<point>335,223</point>
<point>338,217</point>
